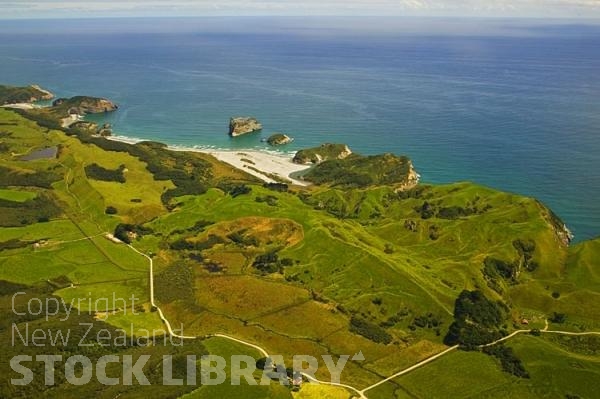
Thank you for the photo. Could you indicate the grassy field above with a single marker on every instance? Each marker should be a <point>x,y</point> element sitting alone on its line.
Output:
<point>16,195</point>
<point>555,373</point>
<point>369,264</point>
<point>225,349</point>
<point>293,270</point>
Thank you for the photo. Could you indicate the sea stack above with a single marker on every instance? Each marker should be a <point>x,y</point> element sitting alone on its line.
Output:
<point>279,139</point>
<point>243,125</point>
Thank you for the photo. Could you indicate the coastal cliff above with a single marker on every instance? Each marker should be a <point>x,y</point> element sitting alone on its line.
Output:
<point>63,112</point>
<point>322,153</point>
<point>27,94</point>
<point>83,105</point>
<point>243,125</point>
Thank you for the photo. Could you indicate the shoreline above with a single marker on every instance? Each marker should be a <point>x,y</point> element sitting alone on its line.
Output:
<point>268,166</point>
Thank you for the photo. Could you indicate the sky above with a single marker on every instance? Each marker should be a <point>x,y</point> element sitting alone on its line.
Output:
<point>18,9</point>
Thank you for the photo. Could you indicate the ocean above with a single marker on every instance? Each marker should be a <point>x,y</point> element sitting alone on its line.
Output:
<point>514,105</point>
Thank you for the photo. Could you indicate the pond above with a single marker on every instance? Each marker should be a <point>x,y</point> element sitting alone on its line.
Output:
<point>44,153</point>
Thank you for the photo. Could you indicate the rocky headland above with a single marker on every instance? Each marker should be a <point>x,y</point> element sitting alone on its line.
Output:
<point>82,105</point>
<point>23,95</point>
<point>322,153</point>
<point>336,165</point>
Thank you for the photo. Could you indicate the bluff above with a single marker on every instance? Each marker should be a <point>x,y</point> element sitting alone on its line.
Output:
<point>243,125</point>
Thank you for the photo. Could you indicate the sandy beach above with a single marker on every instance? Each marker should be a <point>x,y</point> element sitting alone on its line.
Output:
<point>263,164</point>
<point>269,166</point>
<point>20,106</point>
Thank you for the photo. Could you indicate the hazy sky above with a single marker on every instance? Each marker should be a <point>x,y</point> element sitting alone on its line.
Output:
<point>480,8</point>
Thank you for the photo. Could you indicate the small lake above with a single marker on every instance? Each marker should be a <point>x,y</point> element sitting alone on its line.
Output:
<point>44,153</point>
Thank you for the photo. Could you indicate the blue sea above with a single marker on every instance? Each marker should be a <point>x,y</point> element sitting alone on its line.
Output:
<point>514,105</point>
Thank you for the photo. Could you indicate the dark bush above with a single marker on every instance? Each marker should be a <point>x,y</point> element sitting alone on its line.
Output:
<point>14,244</point>
<point>477,320</point>
<point>555,294</point>
<point>267,263</point>
<point>239,189</point>
<point>110,210</point>
<point>558,318</point>
<point>509,361</point>
<point>125,232</point>
<point>494,267</point>
<point>97,172</point>
<point>454,212</point>
<point>281,187</point>
<point>37,210</point>
<point>369,330</point>
<point>43,179</point>
<point>427,210</point>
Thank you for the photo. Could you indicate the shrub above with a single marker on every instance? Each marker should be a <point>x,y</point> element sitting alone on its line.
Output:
<point>388,249</point>
<point>110,210</point>
<point>474,306</point>
<point>43,179</point>
<point>281,187</point>
<point>477,320</point>
<point>558,318</point>
<point>526,249</point>
<point>124,232</point>
<point>37,210</point>
<point>427,211</point>
<point>14,244</point>
<point>509,361</point>
<point>97,172</point>
<point>493,267</point>
<point>369,330</point>
<point>267,263</point>
<point>454,212</point>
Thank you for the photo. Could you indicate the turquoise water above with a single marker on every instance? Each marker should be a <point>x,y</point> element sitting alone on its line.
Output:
<point>512,105</point>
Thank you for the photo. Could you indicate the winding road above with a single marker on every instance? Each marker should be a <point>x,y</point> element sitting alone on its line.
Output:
<point>360,392</point>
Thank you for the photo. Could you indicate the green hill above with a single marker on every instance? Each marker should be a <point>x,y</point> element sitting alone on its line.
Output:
<point>331,269</point>
<point>360,171</point>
